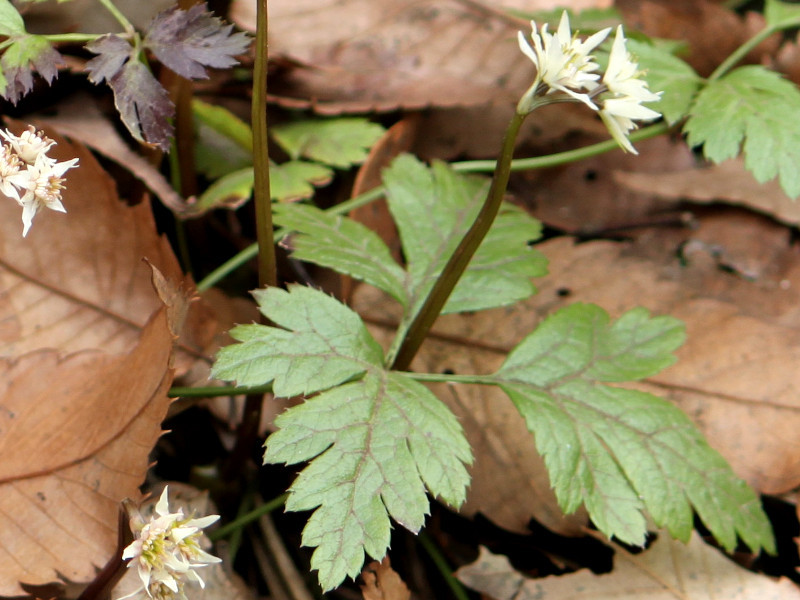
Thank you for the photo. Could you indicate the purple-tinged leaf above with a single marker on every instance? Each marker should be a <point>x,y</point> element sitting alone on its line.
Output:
<point>113,52</point>
<point>142,102</point>
<point>186,41</point>
<point>25,55</point>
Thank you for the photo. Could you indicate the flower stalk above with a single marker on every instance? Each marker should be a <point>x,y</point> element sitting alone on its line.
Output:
<point>565,72</point>
<point>409,340</point>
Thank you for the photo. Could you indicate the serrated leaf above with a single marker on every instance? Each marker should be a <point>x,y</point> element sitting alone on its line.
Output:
<point>223,141</point>
<point>11,22</point>
<point>318,343</point>
<point>342,244</point>
<point>754,109</point>
<point>621,451</point>
<point>376,439</point>
<point>433,208</point>
<point>296,179</point>
<point>142,102</point>
<point>667,73</point>
<point>341,142</point>
<point>186,41</point>
<point>27,53</point>
<point>780,15</point>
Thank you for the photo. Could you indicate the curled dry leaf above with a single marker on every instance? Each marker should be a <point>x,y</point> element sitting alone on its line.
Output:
<point>728,182</point>
<point>665,571</point>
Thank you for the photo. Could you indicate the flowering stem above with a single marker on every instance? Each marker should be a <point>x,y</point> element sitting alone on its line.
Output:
<point>263,202</point>
<point>410,336</point>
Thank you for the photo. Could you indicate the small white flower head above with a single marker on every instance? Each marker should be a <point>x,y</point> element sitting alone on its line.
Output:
<point>166,551</point>
<point>41,184</point>
<point>10,166</point>
<point>29,176</point>
<point>624,92</point>
<point>30,145</point>
<point>563,64</point>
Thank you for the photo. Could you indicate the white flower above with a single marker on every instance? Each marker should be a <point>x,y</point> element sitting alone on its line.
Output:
<point>621,105</point>
<point>9,167</point>
<point>563,63</point>
<point>30,145</point>
<point>41,184</point>
<point>166,551</point>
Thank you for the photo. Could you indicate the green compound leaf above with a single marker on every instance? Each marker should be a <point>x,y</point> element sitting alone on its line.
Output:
<point>342,244</point>
<point>621,451</point>
<point>376,440</point>
<point>668,74</point>
<point>336,142</point>
<point>754,109</point>
<point>433,208</point>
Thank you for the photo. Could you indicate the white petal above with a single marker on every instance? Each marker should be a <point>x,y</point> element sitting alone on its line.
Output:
<point>162,507</point>
<point>629,108</point>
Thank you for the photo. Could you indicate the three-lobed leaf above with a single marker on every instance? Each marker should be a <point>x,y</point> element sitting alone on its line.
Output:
<point>622,451</point>
<point>375,439</point>
<point>753,109</point>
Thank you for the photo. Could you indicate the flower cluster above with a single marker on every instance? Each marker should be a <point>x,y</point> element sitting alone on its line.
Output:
<point>29,176</point>
<point>167,552</point>
<point>566,71</point>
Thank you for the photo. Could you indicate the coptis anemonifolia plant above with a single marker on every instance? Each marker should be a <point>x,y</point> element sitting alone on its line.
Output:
<point>377,440</point>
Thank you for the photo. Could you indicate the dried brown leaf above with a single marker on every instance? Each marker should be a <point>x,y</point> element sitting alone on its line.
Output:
<point>665,571</point>
<point>726,182</point>
<point>77,431</point>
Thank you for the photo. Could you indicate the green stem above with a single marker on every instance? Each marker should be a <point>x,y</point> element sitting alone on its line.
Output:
<point>240,522</point>
<point>71,37</point>
<point>441,563</point>
<point>741,52</point>
<point>560,158</point>
<point>267,270</point>
<point>470,166</point>
<point>410,338</point>
<point>214,392</point>
<point>447,378</point>
<point>121,19</point>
